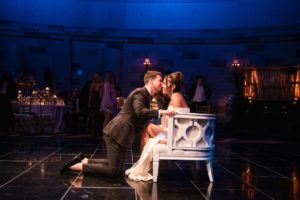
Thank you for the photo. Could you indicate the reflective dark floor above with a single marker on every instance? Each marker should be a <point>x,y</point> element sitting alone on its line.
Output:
<point>243,168</point>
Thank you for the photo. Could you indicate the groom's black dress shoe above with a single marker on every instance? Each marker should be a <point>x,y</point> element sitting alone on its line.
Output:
<point>81,156</point>
<point>68,171</point>
<point>75,160</point>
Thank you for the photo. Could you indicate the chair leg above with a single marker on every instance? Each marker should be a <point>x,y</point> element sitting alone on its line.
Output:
<point>155,170</point>
<point>209,190</point>
<point>209,166</point>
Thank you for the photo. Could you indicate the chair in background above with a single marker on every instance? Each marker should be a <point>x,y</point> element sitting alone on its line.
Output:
<point>190,137</point>
<point>203,109</point>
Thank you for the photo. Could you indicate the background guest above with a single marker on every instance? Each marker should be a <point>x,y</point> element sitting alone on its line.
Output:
<point>8,92</point>
<point>109,99</point>
<point>199,94</point>
<point>95,97</point>
<point>84,98</point>
<point>74,103</point>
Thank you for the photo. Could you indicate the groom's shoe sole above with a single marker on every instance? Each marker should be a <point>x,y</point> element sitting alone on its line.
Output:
<point>75,160</point>
<point>66,167</point>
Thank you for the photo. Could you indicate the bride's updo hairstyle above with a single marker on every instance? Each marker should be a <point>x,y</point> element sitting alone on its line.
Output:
<point>176,78</point>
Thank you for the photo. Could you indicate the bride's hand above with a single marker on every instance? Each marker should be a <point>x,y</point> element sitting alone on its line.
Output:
<point>162,141</point>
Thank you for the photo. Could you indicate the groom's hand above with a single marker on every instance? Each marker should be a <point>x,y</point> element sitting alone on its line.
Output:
<point>167,112</point>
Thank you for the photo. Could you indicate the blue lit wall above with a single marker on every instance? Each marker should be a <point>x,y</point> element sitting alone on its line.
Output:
<point>158,14</point>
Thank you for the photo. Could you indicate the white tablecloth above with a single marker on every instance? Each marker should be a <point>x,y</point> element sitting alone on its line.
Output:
<point>41,118</point>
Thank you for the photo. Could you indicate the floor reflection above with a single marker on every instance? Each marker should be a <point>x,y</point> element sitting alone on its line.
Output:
<point>243,169</point>
<point>148,190</point>
<point>209,191</point>
<point>247,186</point>
<point>77,182</point>
<point>144,190</point>
<point>295,186</point>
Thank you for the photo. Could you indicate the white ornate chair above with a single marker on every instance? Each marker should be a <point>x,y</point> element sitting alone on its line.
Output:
<point>190,137</point>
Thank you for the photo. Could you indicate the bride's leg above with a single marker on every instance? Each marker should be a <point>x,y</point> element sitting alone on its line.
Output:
<point>154,129</point>
<point>149,131</point>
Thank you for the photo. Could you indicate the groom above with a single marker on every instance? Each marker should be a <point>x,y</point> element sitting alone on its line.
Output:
<point>120,132</point>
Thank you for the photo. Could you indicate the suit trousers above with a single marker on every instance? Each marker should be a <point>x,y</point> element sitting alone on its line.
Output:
<point>112,166</point>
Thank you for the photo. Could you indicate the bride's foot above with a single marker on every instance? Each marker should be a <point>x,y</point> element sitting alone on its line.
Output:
<point>162,142</point>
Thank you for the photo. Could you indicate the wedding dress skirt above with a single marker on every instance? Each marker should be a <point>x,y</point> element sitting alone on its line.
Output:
<point>140,171</point>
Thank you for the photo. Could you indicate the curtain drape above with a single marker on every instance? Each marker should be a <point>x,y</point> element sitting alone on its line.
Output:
<point>280,83</point>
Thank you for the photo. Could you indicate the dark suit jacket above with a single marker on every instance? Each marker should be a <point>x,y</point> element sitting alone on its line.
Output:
<point>132,118</point>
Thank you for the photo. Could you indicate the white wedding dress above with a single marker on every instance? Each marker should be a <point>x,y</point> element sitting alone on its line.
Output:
<point>140,171</point>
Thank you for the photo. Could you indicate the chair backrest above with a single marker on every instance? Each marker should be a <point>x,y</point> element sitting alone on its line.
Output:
<point>190,132</point>
<point>182,110</point>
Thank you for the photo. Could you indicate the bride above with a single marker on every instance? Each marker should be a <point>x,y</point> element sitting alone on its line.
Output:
<point>154,136</point>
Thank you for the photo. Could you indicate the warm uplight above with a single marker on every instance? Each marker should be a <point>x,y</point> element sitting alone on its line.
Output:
<point>295,100</point>
<point>247,183</point>
<point>297,85</point>
<point>147,62</point>
<point>295,185</point>
<point>250,99</point>
<point>248,170</point>
<point>19,94</point>
<point>235,64</point>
